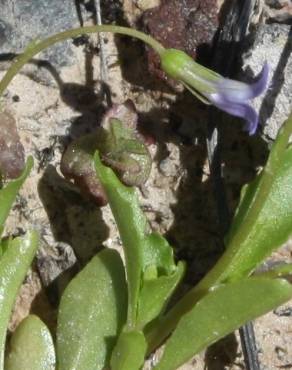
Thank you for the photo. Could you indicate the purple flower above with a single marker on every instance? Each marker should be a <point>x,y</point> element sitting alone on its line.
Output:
<point>228,95</point>
<point>233,97</point>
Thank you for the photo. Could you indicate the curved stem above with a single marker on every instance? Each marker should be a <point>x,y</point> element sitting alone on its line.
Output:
<point>35,48</point>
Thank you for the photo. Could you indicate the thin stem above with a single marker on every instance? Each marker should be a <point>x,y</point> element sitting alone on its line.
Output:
<point>36,47</point>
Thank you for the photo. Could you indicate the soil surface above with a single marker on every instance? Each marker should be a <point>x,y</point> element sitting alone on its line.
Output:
<point>60,96</point>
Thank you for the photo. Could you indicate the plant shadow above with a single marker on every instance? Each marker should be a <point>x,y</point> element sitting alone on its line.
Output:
<point>75,222</point>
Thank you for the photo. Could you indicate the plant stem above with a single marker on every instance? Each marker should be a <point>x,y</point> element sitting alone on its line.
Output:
<point>36,47</point>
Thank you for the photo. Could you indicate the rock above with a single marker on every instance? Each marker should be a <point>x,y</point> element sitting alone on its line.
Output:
<point>147,4</point>
<point>272,43</point>
<point>11,149</point>
<point>111,11</point>
<point>54,260</point>
<point>279,11</point>
<point>186,25</point>
<point>5,30</point>
<point>28,20</point>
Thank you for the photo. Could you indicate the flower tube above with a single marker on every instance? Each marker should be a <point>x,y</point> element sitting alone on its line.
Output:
<point>210,87</point>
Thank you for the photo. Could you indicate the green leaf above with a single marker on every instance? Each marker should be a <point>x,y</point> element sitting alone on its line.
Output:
<point>125,152</point>
<point>31,347</point>
<point>282,270</point>
<point>272,226</point>
<point>92,313</point>
<point>10,191</point>
<point>14,265</point>
<point>144,251</point>
<point>157,252</point>
<point>129,352</point>
<point>221,312</point>
<point>262,223</point>
<point>131,224</point>
<point>4,244</point>
<point>155,293</point>
<point>247,196</point>
<point>263,220</point>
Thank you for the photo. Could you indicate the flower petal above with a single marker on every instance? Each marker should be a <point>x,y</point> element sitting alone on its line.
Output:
<point>242,110</point>
<point>261,83</point>
<point>235,91</point>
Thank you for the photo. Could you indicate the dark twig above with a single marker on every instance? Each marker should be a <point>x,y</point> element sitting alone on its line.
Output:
<point>247,335</point>
<point>248,344</point>
<point>100,41</point>
<point>103,61</point>
<point>231,35</point>
<point>103,64</point>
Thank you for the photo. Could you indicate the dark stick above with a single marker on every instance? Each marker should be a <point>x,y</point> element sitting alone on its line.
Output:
<point>249,348</point>
<point>231,35</point>
<point>246,332</point>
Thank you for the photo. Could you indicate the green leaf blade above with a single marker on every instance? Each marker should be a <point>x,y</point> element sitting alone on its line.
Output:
<point>271,228</point>
<point>14,265</point>
<point>31,347</point>
<point>263,220</point>
<point>92,312</point>
<point>155,293</point>
<point>219,313</point>
<point>10,191</point>
<point>144,251</point>
<point>129,352</point>
<point>131,224</point>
